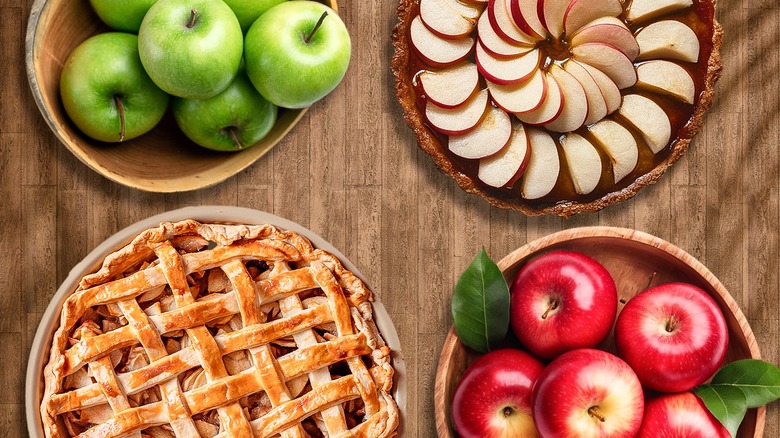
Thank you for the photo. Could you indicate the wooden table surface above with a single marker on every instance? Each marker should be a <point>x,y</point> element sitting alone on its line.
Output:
<point>352,172</point>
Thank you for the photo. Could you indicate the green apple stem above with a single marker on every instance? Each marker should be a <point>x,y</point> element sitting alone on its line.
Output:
<point>316,26</point>
<point>193,14</point>
<point>121,107</point>
<point>594,412</point>
<point>232,131</point>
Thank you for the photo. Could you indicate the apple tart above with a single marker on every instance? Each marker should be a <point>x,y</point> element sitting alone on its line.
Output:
<point>212,330</point>
<point>555,106</point>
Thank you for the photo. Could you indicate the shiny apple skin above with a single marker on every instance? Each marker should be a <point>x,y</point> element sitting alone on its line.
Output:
<point>498,380</point>
<point>673,361</point>
<point>587,306</point>
<point>681,415</point>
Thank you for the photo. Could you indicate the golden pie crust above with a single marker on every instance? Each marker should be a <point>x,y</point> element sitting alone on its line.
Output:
<point>199,329</point>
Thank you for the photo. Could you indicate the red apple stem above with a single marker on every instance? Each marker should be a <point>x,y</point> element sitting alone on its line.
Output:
<point>121,107</point>
<point>193,14</point>
<point>671,324</point>
<point>316,26</point>
<point>553,305</point>
<point>508,411</point>
<point>594,412</point>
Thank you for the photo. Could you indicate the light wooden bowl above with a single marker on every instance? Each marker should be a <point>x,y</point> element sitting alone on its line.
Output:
<point>163,160</point>
<point>636,261</point>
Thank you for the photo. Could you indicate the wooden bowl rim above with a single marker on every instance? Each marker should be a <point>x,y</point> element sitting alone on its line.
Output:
<point>572,234</point>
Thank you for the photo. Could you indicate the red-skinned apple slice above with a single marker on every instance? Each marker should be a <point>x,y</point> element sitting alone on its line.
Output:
<point>649,118</point>
<point>501,20</point>
<point>551,15</point>
<point>549,109</point>
<point>506,167</point>
<point>666,77</point>
<point>575,102</point>
<point>458,120</point>
<point>584,162</point>
<point>436,50</point>
<point>608,30</point>
<point>489,137</point>
<point>581,12</point>
<point>521,98</point>
<point>450,87</point>
<point>541,173</point>
<point>609,90</point>
<point>526,17</point>
<point>619,144</point>
<point>496,45</point>
<point>641,10</point>
<point>449,18</point>
<point>608,59</point>
<point>597,106</point>
<point>668,39</point>
<point>506,71</point>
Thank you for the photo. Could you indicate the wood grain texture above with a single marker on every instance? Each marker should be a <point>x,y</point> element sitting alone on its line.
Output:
<point>352,172</point>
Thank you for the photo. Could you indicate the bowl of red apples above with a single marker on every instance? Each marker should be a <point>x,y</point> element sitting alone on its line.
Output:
<point>610,333</point>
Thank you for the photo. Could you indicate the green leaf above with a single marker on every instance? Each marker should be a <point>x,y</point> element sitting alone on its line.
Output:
<point>759,380</point>
<point>727,403</point>
<point>480,304</point>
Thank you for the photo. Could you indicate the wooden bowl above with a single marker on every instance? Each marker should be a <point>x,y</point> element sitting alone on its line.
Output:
<point>636,261</point>
<point>163,160</point>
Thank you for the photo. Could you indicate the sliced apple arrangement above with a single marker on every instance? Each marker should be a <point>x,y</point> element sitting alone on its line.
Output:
<point>576,83</point>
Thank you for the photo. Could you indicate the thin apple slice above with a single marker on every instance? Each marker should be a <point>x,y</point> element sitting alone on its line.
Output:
<point>668,39</point>
<point>551,106</point>
<point>489,136</point>
<point>608,59</point>
<point>496,45</point>
<point>544,165</point>
<point>584,162</point>
<point>641,10</point>
<point>458,120</point>
<point>649,118</point>
<point>501,20</point>
<point>581,12</point>
<point>666,77</point>
<point>436,50</point>
<point>506,71</point>
<point>597,106</point>
<point>619,144</point>
<point>450,87</point>
<point>575,102</point>
<point>449,18</point>
<point>521,98</point>
<point>551,14</point>
<point>609,90</point>
<point>526,17</point>
<point>608,30</point>
<point>507,166</point>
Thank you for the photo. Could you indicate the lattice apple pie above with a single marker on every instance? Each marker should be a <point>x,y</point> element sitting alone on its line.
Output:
<point>219,331</point>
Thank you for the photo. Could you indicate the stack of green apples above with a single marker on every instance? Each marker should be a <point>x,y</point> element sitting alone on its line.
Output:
<point>225,67</point>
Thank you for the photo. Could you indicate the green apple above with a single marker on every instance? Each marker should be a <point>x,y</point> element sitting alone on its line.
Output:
<point>191,48</point>
<point>232,120</point>
<point>106,91</point>
<point>247,11</point>
<point>124,15</point>
<point>297,52</point>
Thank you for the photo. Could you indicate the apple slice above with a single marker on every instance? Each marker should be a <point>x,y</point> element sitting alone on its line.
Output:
<point>450,87</point>
<point>581,12</point>
<point>668,39</point>
<point>575,102</point>
<point>609,90</point>
<point>584,162</point>
<point>544,165</point>
<point>521,98</point>
<point>668,78</point>
<point>608,59</point>
<point>501,20</point>
<point>496,45</point>
<point>436,50</point>
<point>506,167</point>
<point>608,30</point>
<point>489,137</point>
<point>526,17</point>
<point>619,144</point>
<point>506,71</point>
<point>551,106</point>
<point>551,14</point>
<point>641,10</point>
<point>460,119</point>
<point>649,118</point>
<point>449,18</point>
<point>597,106</point>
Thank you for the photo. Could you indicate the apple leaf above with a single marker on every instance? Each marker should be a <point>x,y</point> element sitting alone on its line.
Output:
<point>480,304</point>
<point>726,403</point>
<point>759,380</point>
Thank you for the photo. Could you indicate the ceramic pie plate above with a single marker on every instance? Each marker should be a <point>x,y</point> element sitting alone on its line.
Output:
<point>39,352</point>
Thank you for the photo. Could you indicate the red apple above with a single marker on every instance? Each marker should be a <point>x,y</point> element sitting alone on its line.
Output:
<point>493,398</point>
<point>560,301</point>
<point>588,393</point>
<point>680,415</point>
<point>673,335</point>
